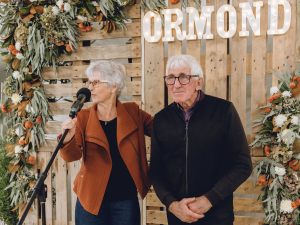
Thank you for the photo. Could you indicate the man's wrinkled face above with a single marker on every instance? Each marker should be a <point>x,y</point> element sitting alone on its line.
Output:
<point>184,93</point>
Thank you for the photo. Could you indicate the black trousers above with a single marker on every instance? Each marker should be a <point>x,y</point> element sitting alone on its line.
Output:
<point>220,219</point>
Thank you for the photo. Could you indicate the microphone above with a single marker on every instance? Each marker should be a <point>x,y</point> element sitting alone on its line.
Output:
<point>83,95</point>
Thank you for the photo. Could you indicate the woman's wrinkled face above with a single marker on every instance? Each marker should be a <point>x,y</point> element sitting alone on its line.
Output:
<point>101,92</point>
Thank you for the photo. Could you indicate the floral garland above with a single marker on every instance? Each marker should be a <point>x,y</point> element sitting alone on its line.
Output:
<point>279,135</point>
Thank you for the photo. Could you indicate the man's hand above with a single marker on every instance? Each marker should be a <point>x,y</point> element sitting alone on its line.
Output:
<point>182,212</point>
<point>201,205</point>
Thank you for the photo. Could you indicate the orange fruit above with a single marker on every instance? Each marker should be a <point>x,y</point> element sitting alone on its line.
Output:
<point>81,25</point>
<point>267,110</point>
<point>39,120</point>
<point>89,28</point>
<point>14,52</point>
<point>84,29</point>
<point>258,183</point>
<point>298,80</point>
<point>28,125</point>
<point>4,110</point>
<point>293,85</point>
<point>270,99</point>
<point>68,48</point>
<point>295,78</point>
<point>294,205</point>
<point>294,167</point>
<point>262,178</point>
<point>297,202</point>
<point>22,142</point>
<point>11,48</point>
<point>276,96</point>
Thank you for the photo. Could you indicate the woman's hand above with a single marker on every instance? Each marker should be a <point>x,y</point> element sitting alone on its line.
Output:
<point>71,125</point>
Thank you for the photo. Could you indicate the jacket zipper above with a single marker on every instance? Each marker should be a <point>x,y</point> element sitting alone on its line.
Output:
<point>186,157</point>
<point>98,140</point>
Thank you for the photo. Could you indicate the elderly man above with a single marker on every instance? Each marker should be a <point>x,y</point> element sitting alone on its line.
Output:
<point>199,151</point>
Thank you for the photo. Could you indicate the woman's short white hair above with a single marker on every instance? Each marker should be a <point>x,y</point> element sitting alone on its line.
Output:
<point>185,61</point>
<point>115,73</point>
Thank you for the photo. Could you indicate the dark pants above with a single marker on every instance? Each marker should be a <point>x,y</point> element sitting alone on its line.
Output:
<point>220,219</point>
<point>111,213</point>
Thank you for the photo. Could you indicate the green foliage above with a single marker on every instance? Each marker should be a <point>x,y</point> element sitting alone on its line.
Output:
<point>6,215</point>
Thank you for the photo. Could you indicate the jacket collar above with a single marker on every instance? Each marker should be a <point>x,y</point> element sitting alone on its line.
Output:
<point>125,126</point>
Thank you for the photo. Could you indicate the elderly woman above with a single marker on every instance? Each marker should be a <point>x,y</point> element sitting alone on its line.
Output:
<point>109,137</point>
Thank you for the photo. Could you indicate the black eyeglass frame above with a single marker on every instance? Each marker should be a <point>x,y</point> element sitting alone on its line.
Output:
<point>179,80</point>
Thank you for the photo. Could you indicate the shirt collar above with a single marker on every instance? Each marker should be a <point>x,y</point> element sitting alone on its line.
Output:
<point>200,96</point>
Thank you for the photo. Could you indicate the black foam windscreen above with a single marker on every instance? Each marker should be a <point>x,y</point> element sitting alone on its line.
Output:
<point>86,92</point>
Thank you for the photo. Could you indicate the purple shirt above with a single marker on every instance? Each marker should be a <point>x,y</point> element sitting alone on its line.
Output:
<point>187,115</point>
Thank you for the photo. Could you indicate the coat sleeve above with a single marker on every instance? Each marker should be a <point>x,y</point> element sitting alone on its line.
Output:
<point>157,172</point>
<point>147,122</point>
<point>241,161</point>
<point>72,151</point>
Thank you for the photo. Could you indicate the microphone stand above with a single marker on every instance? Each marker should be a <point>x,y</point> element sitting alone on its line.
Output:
<point>40,188</point>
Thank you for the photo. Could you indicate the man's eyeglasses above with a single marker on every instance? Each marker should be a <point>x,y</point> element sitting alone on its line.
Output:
<point>95,83</point>
<point>183,79</point>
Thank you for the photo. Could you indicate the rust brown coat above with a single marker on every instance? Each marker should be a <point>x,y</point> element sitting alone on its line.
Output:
<point>91,143</point>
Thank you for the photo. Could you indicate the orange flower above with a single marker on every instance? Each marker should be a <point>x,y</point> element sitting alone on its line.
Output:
<point>28,125</point>
<point>295,78</point>
<point>39,120</point>
<point>294,205</point>
<point>2,106</point>
<point>4,110</point>
<point>11,48</point>
<point>63,7</point>
<point>298,80</point>
<point>84,29</point>
<point>22,142</point>
<point>262,178</point>
<point>259,183</point>
<point>273,105</point>
<point>276,96</point>
<point>270,99</point>
<point>174,1</point>
<point>81,25</point>
<point>68,48</point>
<point>293,85</point>
<point>267,110</point>
<point>89,28</point>
<point>297,202</point>
<point>14,52</point>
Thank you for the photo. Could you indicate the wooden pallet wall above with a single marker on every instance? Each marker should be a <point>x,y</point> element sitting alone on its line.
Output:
<point>226,75</point>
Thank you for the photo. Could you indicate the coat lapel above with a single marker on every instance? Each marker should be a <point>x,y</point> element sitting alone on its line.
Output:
<point>94,132</point>
<point>125,123</point>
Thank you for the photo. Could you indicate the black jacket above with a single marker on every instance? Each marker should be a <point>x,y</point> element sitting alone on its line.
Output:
<point>208,155</point>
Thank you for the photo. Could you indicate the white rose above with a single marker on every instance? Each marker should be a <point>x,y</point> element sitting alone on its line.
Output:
<point>59,3</point>
<point>19,131</point>
<point>279,171</point>
<point>279,120</point>
<point>82,18</point>
<point>18,149</point>
<point>18,46</point>
<point>16,74</point>
<point>274,90</point>
<point>16,98</point>
<point>55,10</point>
<point>25,70</point>
<point>286,94</point>
<point>286,206</point>
<point>67,7</point>
<point>19,56</point>
<point>295,120</point>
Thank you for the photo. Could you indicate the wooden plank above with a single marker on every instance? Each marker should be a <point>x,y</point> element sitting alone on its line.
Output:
<point>239,220</point>
<point>133,11</point>
<point>74,169</point>
<point>297,49</point>
<point>284,45</point>
<point>133,30</point>
<point>154,72</point>
<point>258,86</point>
<point>153,200</point>
<point>66,90</point>
<point>104,52</point>
<point>156,217</point>
<point>238,67</point>
<point>78,72</point>
<point>44,158</point>
<point>61,192</point>
<point>248,188</point>
<point>174,47</point>
<point>247,205</point>
<point>216,57</point>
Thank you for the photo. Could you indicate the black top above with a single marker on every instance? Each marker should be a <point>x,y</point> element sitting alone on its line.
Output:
<point>208,155</point>
<point>120,184</point>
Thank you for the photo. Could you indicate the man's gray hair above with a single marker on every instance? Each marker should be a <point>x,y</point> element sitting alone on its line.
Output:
<point>185,61</point>
<point>115,73</point>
